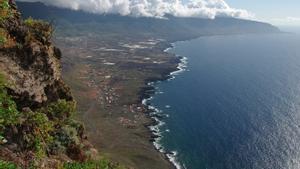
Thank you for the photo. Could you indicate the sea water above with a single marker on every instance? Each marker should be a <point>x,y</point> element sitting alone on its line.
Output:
<point>236,106</point>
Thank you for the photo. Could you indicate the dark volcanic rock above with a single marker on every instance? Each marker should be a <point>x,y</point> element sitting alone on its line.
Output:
<point>32,64</point>
<point>32,74</point>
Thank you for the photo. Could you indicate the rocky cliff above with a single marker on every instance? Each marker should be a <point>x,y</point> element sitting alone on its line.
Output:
<point>31,63</point>
<point>37,129</point>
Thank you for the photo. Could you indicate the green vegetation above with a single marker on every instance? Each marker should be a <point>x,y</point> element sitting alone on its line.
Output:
<point>7,165</point>
<point>68,132</point>
<point>43,134</point>
<point>5,10</point>
<point>9,115</point>
<point>2,39</point>
<point>101,164</point>
<point>4,4</point>
<point>33,22</point>
<point>60,110</point>
<point>40,30</point>
<point>2,36</point>
<point>46,131</point>
<point>52,129</point>
<point>39,137</point>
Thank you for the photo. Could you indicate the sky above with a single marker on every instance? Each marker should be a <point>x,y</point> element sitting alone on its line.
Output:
<point>277,12</point>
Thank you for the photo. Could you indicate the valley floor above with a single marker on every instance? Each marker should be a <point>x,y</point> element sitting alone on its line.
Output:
<point>108,78</point>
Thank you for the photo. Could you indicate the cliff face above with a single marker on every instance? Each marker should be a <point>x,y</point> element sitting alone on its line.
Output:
<point>31,63</point>
<point>36,107</point>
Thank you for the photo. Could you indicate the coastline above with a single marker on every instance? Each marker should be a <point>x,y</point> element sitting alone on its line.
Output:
<point>110,99</point>
<point>155,114</point>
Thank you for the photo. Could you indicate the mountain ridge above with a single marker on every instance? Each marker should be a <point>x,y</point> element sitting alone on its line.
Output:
<point>172,28</point>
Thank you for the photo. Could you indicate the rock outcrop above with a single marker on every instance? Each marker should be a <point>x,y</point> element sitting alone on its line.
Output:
<point>36,106</point>
<point>31,63</point>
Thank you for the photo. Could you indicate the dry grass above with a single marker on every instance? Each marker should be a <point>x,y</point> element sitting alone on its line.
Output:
<point>5,10</point>
<point>6,41</point>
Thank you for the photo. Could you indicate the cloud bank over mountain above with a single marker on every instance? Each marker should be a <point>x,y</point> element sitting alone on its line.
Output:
<point>152,8</point>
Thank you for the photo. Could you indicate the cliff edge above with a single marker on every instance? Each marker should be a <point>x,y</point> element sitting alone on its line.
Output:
<point>37,129</point>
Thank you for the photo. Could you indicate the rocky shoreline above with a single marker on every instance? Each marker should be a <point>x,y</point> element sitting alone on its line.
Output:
<point>147,93</point>
<point>124,115</point>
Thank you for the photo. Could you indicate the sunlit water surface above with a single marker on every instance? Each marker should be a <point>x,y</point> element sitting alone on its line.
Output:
<point>238,104</point>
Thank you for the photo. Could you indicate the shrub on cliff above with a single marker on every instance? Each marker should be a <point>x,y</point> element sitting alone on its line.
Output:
<point>40,30</point>
<point>33,128</point>
<point>5,10</point>
<point>61,110</point>
<point>46,131</point>
<point>9,115</point>
<point>2,36</point>
<point>7,165</point>
<point>5,39</point>
<point>29,128</point>
<point>37,127</point>
<point>5,13</point>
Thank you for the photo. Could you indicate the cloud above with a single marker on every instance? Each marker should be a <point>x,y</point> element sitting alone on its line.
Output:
<point>153,8</point>
<point>294,21</point>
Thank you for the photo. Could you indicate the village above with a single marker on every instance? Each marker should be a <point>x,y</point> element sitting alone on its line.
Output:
<point>109,78</point>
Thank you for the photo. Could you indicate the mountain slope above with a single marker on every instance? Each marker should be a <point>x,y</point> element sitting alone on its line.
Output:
<point>173,28</point>
<point>37,126</point>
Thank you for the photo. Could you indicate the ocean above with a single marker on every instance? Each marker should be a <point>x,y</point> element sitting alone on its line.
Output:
<point>235,105</point>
